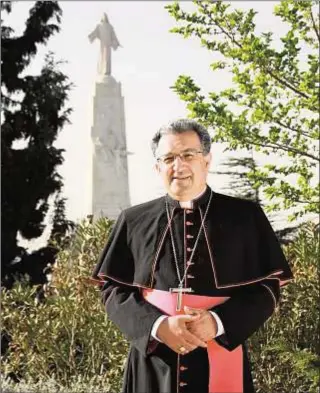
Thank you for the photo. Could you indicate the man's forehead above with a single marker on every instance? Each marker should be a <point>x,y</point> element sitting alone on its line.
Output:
<point>174,151</point>
<point>177,143</point>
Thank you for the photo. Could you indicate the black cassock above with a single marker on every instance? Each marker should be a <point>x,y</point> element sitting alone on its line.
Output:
<point>238,256</point>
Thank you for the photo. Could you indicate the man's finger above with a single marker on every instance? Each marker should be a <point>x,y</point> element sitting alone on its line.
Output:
<point>196,326</point>
<point>189,318</point>
<point>192,310</point>
<point>196,332</point>
<point>194,340</point>
<point>202,335</point>
<point>185,345</point>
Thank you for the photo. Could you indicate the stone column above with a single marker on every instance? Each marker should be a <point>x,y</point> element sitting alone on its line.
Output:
<point>110,186</point>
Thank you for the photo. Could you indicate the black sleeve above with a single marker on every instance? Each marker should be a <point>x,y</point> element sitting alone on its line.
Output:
<point>264,249</point>
<point>245,313</point>
<point>123,300</point>
<point>133,315</point>
<point>116,260</point>
<point>253,304</point>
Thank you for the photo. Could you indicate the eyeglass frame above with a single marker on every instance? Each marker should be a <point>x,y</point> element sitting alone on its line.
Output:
<point>176,155</point>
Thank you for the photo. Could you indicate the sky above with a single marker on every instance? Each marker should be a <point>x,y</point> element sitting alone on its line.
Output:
<point>149,62</point>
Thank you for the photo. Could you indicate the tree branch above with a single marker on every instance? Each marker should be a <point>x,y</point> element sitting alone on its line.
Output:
<point>276,121</point>
<point>9,99</point>
<point>288,85</point>
<point>215,23</point>
<point>315,26</point>
<point>291,129</point>
<point>284,148</point>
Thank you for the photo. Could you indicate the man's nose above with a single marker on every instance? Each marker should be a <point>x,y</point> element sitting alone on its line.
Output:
<point>177,163</point>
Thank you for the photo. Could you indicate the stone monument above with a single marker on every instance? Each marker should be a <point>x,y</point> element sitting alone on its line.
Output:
<point>110,186</point>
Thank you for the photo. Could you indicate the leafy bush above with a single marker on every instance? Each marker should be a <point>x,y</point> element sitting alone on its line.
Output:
<point>65,343</point>
<point>67,337</point>
<point>285,351</point>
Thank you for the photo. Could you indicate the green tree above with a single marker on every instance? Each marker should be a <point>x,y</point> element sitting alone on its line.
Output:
<point>33,114</point>
<point>273,103</point>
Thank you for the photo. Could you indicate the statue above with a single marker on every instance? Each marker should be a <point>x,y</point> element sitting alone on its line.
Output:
<point>108,39</point>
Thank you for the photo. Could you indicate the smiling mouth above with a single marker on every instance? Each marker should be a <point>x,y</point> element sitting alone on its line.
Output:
<point>180,178</point>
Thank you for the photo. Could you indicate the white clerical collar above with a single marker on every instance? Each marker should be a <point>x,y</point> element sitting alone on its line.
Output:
<point>188,204</point>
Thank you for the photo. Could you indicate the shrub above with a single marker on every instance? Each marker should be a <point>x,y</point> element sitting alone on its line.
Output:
<point>285,351</point>
<point>67,337</point>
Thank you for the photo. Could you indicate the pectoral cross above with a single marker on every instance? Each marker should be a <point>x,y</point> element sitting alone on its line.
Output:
<point>180,290</point>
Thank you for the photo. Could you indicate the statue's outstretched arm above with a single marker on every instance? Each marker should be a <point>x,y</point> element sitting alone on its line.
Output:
<point>115,41</point>
<point>92,36</point>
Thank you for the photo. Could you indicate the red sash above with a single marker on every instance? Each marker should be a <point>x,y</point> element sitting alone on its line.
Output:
<point>226,367</point>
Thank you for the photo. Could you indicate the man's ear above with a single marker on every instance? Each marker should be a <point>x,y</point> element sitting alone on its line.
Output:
<point>208,159</point>
<point>157,167</point>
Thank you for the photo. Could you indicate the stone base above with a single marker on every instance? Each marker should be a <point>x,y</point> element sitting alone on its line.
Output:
<point>110,188</point>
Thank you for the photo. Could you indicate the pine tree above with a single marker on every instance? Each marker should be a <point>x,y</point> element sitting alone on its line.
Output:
<point>241,184</point>
<point>33,114</point>
<point>245,183</point>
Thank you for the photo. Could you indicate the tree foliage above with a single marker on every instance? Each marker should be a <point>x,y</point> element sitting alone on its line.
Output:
<point>33,114</point>
<point>273,103</point>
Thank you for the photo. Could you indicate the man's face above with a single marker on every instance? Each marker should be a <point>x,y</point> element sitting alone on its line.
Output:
<point>183,177</point>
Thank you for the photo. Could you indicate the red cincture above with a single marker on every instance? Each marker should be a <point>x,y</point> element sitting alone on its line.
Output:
<point>225,367</point>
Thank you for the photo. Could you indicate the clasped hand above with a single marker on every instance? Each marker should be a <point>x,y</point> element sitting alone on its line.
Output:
<point>184,333</point>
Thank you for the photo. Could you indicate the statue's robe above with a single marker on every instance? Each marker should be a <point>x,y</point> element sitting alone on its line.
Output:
<point>238,256</point>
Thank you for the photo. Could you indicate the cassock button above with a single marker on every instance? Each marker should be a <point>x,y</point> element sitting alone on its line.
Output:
<point>189,211</point>
<point>189,249</point>
<point>190,237</point>
<point>190,263</point>
<point>182,368</point>
<point>190,276</point>
<point>182,384</point>
<point>189,223</point>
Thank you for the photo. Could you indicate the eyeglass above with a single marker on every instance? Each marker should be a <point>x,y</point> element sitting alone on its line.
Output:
<point>186,156</point>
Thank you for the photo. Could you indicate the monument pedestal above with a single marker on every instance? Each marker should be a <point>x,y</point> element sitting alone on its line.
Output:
<point>110,186</point>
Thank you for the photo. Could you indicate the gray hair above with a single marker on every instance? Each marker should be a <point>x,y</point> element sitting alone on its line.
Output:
<point>180,126</point>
